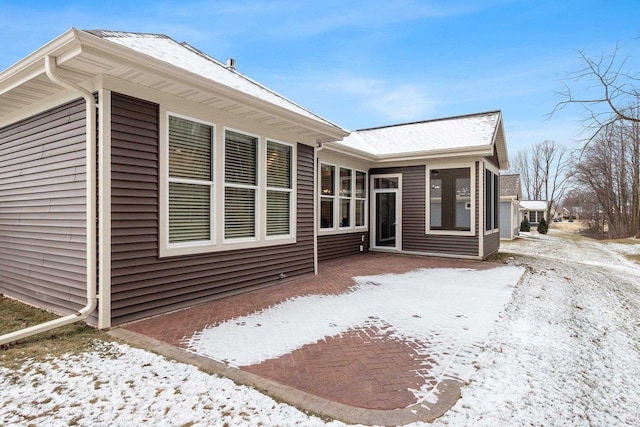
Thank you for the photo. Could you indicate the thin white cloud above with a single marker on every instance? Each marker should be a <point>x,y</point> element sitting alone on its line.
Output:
<point>290,19</point>
<point>403,103</point>
<point>392,102</point>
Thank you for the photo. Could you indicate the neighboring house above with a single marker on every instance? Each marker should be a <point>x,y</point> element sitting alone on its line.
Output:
<point>510,196</point>
<point>171,179</point>
<point>535,210</point>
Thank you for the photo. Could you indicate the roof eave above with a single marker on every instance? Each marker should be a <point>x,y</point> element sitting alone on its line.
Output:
<point>32,65</point>
<point>327,131</point>
<point>483,150</point>
<point>500,143</point>
<point>479,151</point>
<point>350,151</point>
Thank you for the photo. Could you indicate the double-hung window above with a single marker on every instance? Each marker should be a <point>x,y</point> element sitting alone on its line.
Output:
<point>361,198</point>
<point>327,195</point>
<point>345,197</point>
<point>240,185</point>
<point>191,184</point>
<point>279,189</point>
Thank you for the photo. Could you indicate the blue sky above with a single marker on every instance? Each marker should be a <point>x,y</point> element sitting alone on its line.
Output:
<point>372,63</point>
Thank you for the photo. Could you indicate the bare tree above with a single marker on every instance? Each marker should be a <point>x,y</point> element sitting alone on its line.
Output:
<point>610,169</point>
<point>545,172</point>
<point>608,93</point>
<point>521,166</point>
<point>610,161</point>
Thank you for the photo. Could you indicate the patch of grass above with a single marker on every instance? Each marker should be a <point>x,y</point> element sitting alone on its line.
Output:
<point>500,257</point>
<point>627,241</point>
<point>634,257</point>
<point>74,338</point>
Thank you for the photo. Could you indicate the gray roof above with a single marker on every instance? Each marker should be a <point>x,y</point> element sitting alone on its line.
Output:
<point>451,133</point>
<point>510,186</point>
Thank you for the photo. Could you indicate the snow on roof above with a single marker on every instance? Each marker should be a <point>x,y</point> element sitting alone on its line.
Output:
<point>510,185</point>
<point>534,205</point>
<point>190,59</point>
<point>461,132</point>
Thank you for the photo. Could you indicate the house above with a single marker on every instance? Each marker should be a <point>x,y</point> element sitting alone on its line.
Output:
<point>535,210</point>
<point>510,196</point>
<point>143,168</point>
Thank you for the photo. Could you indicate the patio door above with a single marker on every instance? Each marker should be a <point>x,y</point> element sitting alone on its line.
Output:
<point>387,208</point>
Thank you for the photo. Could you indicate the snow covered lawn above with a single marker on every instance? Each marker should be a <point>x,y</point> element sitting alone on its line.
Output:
<point>566,351</point>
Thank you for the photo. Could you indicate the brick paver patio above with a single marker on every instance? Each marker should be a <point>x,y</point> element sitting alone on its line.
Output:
<point>362,368</point>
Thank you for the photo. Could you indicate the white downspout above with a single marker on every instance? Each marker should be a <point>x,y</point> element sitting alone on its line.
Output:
<point>83,313</point>
<point>316,149</point>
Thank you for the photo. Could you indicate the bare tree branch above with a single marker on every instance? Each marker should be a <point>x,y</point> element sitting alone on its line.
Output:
<point>617,95</point>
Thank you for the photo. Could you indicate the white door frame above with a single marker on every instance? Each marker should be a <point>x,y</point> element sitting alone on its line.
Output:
<point>373,219</point>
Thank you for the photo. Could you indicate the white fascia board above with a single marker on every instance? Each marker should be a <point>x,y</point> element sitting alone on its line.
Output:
<point>484,150</point>
<point>500,142</point>
<point>353,152</point>
<point>33,65</point>
<point>481,151</point>
<point>104,49</point>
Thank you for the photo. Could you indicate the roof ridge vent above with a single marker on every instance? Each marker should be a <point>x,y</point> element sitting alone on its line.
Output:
<point>231,64</point>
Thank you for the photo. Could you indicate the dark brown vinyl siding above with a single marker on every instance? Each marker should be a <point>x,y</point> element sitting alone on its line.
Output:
<point>143,284</point>
<point>491,244</point>
<point>414,238</point>
<point>43,209</point>
<point>339,245</point>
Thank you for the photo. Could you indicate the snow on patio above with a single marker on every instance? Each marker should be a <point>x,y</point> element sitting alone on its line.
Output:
<point>449,312</point>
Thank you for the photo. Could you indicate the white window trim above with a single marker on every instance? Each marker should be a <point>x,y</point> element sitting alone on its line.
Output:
<point>495,171</point>
<point>218,243</point>
<point>260,154</point>
<point>474,202</point>
<point>336,228</point>
<point>166,247</point>
<point>365,198</point>
<point>341,198</point>
<point>292,191</point>
<point>334,197</point>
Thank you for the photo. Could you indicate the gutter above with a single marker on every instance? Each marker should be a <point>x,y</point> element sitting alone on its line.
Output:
<point>84,312</point>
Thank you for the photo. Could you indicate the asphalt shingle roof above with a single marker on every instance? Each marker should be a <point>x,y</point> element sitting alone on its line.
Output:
<point>462,132</point>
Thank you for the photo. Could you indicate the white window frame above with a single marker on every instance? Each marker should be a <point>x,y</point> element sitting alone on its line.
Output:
<point>474,203</point>
<point>337,205</point>
<point>292,191</point>
<point>217,242</point>
<point>333,197</point>
<point>365,198</point>
<point>181,247</point>
<point>494,171</point>
<point>256,188</point>
<point>341,198</point>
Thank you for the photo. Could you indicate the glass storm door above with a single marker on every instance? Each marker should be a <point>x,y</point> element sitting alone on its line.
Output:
<point>386,193</point>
